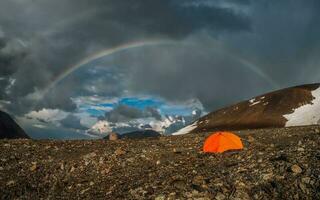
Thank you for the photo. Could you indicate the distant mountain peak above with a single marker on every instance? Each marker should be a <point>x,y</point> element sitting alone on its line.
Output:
<point>167,125</point>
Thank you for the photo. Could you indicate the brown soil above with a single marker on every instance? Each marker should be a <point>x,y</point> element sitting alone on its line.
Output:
<point>275,164</point>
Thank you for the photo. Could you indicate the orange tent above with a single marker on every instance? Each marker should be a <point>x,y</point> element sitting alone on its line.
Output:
<point>222,141</point>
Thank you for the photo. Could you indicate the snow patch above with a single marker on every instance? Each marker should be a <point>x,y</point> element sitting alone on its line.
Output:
<point>186,129</point>
<point>307,114</point>
<point>254,103</point>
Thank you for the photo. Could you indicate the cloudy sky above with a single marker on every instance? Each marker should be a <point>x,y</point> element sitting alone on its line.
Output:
<point>67,63</point>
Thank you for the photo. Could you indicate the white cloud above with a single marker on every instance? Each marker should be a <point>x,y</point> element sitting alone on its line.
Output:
<point>48,115</point>
<point>94,100</point>
<point>225,4</point>
<point>40,126</point>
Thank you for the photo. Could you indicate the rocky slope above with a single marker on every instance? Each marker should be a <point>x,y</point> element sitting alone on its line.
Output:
<point>9,128</point>
<point>275,164</point>
<point>296,106</point>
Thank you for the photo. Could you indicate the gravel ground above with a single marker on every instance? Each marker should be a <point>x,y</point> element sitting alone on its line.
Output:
<point>275,164</point>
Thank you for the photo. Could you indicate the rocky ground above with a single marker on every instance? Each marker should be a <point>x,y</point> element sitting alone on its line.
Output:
<point>275,164</point>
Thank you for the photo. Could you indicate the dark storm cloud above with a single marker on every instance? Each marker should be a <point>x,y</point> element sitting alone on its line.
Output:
<point>124,113</point>
<point>55,35</point>
<point>284,40</point>
<point>40,39</point>
<point>11,53</point>
<point>173,19</point>
<point>283,43</point>
<point>177,74</point>
<point>72,122</point>
<point>105,81</point>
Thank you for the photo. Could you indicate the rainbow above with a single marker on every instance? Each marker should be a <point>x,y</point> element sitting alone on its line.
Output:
<point>101,54</point>
<point>257,71</point>
<point>107,52</point>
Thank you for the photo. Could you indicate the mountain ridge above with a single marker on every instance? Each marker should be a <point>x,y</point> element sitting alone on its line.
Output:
<point>293,106</point>
<point>9,129</point>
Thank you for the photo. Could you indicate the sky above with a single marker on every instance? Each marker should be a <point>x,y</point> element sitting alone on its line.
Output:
<point>64,65</point>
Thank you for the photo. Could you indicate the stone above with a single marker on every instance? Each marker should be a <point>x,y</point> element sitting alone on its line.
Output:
<point>34,166</point>
<point>160,197</point>
<point>9,183</point>
<point>296,169</point>
<point>300,149</point>
<point>105,171</point>
<point>303,187</point>
<point>84,191</point>
<point>179,184</point>
<point>113,136</point>
<point>306,180</point>
<point>267,177</point>
<point>177,151</point>
<point>250,138</point>
<point>119,152</point>
<point>131,160</point>
<point>241,195</point>
<point>90,155</point>
<point>72,169</point>
<point>220,196</point>
<point>198,180</point>
<point>62,166</point>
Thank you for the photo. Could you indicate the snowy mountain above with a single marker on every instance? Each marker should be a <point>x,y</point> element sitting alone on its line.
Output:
<point>295,106</point>
<point>167,125</point>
